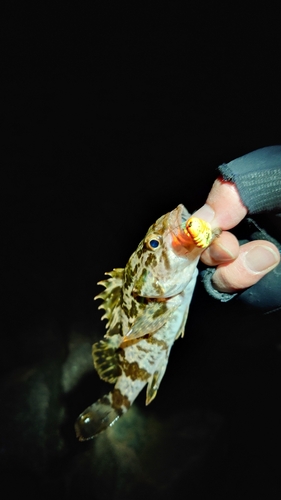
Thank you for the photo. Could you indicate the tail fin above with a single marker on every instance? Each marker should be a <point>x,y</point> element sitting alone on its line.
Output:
<point>96,418</point>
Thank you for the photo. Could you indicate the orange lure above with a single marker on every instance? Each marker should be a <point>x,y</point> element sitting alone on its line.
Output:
<point>200,231</point>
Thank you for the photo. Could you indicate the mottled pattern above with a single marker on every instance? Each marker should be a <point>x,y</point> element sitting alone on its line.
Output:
<point>146,307</point>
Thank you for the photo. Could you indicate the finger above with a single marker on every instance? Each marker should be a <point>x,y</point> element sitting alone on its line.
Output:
<point>255,259</point>
<point>225,248</point>
<point>223,208</point>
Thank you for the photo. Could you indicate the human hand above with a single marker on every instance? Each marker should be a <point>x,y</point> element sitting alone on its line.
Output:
<point>237,267</point>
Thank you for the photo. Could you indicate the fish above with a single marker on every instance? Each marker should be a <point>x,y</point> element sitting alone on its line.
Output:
<point>146,306</point>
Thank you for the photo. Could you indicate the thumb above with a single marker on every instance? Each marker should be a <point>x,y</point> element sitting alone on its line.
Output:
<point>255,260</point>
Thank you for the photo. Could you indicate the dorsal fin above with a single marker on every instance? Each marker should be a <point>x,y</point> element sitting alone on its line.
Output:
<point>112,296</point>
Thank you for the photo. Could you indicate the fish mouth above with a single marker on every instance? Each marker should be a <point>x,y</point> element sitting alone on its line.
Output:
<point>182,243</point>
<point>179,216</point>
<point>177,220</point>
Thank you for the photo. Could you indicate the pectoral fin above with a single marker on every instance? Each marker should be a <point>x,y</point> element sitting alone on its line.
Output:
<point>153,317</point>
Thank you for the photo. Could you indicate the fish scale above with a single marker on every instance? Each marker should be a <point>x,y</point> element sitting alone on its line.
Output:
<point>146,307</point>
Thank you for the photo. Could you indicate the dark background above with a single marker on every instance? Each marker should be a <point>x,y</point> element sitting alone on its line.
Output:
<point>113,115</point>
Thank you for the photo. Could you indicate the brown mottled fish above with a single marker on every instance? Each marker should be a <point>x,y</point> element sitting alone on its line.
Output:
<point>146,307</point>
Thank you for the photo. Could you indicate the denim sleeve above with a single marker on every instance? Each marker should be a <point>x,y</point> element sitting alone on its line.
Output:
<point>257,177</point>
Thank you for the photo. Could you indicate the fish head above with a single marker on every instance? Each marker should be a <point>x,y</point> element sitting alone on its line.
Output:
<point>166,258</point>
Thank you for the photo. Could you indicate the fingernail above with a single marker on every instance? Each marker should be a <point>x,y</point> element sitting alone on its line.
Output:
<point>220,253</point>
<point>206,213</point>
<point>261,258</point>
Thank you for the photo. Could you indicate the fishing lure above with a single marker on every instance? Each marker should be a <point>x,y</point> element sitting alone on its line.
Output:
<point>146,307</point>
<point>200,231</point>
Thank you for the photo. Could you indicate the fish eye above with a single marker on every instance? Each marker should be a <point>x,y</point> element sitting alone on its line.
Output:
<point>153,242</point>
